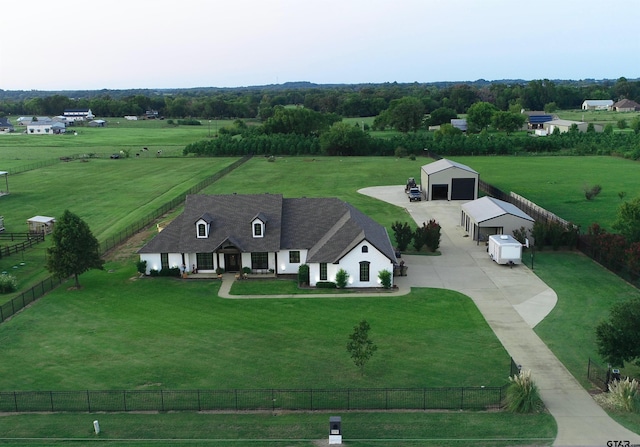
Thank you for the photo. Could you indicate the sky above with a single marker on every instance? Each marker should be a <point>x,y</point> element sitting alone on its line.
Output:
<point>131,44</point>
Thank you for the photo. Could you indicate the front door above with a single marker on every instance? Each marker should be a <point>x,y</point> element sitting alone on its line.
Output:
<point>232,262</point>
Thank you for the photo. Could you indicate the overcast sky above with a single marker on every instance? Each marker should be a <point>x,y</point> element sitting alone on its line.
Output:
<point>121,44</point>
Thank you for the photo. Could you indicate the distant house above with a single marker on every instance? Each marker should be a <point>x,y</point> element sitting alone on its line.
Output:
<point>597,104</point>
<point>78,114</point>
<point>48,127</point>
<point>565,126</point>
<point>266,232</point>
<point>26,120</point>
<point>536,119</point>
<point>151,114</point>
<point>459,124</point>
<point>626,105</point>
<point>97,123</point>
<point>5,125</point>
<point>131,117</point>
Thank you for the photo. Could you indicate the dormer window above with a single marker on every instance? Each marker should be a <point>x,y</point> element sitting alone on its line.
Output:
<point>365,249</point>
<point>203,227</point>
<point>258,225</point>
<point>258,229</point>
<point>202,230</point>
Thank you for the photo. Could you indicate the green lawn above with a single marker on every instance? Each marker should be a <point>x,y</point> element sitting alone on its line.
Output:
<point>119,332</point>
<point>300,429</point>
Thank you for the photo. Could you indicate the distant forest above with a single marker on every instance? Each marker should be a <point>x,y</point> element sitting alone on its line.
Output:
<point>358,100</point>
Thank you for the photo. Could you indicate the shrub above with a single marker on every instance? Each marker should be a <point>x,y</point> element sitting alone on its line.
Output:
<point>590,192</point>
<point>8,283</point>
<point>522,394</point>
<point>246,270</point>
<point>520,235</point>
<point>173,271</point>
<point>303,274</point>
<point>385,278</point>
<point>326,285</point>
<point>141,266</point>
<point>219,271</point>
<point>623,395</point>
<point>341,278</point>
<point>154,272</point>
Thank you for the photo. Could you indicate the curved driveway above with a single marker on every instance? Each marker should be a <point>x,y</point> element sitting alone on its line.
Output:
<point>513,301</point>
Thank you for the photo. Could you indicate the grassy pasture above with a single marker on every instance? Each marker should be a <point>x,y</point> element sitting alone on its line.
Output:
<point>603,117</point>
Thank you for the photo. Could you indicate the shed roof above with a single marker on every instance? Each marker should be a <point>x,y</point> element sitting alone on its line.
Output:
<point>443,164</point>
<point>42,219</point>
<point>598,102</point>
<point>487,208</point>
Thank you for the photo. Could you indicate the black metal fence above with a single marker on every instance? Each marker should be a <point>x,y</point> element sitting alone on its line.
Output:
<point>27,240</point>
<point>143,223</point>
<point>25,298</point>
<point>455,398</point>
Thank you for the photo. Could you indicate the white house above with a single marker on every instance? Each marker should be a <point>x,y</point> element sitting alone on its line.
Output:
<point>49,127</point>
<point>266,232</point>
<point>597,104</point>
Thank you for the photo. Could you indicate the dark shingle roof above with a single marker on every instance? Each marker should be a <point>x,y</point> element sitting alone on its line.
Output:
<point>327,227</point>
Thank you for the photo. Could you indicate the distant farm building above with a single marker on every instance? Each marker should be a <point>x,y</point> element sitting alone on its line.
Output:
<point>597,104</point>
<point>49,127</point>
<point>486,216</point>
<point>4,189</point>
<point>447,180</point>
<point>536,119</point>
<point>459,124</point>
<point>565,126</point>
<point>97,123</point>
<point>78,114</point>
<point>5,125</point>
<point>41,224</point>
<point>626,105</point>
<point>131,118</point>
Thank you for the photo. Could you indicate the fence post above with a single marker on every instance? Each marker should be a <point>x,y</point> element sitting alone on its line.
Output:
<point>15,401</point>
<point>311,399</point>
<point>589,369</point>
<point>51,400</point>
<point>124,399</point>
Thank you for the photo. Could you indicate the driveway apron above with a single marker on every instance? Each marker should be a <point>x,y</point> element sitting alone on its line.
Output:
<point>513,301</point>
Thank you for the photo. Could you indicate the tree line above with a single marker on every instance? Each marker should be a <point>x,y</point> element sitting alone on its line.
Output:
<point>359,100</point>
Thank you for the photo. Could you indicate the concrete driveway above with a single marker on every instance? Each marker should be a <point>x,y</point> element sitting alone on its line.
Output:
<point>513,301</point>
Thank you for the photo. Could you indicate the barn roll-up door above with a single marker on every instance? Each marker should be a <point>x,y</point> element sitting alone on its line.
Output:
<point>463,188</point>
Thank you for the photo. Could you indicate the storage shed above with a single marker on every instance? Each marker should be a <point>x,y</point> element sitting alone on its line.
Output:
<point>41,224</point>
<point>447,180</point>
<point>487,215</point>
<point>4,186</point>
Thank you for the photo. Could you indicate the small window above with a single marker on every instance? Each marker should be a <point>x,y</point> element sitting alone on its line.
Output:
<point>202,230</point>
<point>294,257</point>
<point>323,271</point>
<point>257,229</point>
<point>365,249</point>
<point>364,272</point>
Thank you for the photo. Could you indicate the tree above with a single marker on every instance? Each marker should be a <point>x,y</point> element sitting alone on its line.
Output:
<point>479,115</point>
<point>507,121</point>
<point>403,234</point>
<point>74,249</point>
<point>628,220</point>
<point>442,115</point>
<point>618,338</point>
<point>405,114</point>
<point>344,139</point>
<point>360,346</point>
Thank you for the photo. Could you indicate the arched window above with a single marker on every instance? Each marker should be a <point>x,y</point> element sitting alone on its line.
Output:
<point>202,230</point>
<point>364,271</point>
<point>365,249</point>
